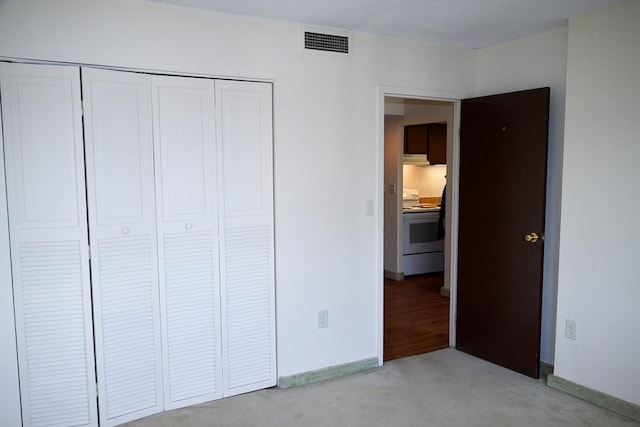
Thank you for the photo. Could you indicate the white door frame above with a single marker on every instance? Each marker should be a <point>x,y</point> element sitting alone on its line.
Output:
<point>10,406</point>
<point>451,239</point>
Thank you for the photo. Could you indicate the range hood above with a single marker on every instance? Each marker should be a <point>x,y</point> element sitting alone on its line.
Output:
<point>415,159</point>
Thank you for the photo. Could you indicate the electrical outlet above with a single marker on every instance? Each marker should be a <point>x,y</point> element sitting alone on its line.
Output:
<point>570,329</point>
<point>323,319</point>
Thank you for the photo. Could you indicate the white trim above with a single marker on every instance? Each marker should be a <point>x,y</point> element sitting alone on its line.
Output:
<point>598,398</point>
<point>452,214</point>
<point>135,70</point>
<point>379,221</point>
<point>10,391</point>
<point>328,373</point>
<point>451,247</point>
<point>419,93</point>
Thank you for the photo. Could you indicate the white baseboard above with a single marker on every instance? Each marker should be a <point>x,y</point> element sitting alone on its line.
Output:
<point>598,398</point>
<point>327,373</point>
<point>393,275</point>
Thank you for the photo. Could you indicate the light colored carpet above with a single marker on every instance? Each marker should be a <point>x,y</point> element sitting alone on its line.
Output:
<point>443,388</point>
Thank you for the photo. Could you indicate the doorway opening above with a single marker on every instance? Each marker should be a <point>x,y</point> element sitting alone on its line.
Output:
<point>416,316</point>
<point>417,309</point>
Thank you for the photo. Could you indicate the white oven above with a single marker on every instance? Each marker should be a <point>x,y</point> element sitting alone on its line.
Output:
<point>422,251</point>
<point>421,233</point>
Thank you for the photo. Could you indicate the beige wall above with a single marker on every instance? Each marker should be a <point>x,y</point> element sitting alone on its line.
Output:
<point>393,127</point>
<point>428,180</point>
<point>599,268</point>
<point>326,159</point>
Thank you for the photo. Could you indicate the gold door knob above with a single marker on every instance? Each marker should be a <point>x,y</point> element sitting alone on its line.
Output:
<point>532,237</point>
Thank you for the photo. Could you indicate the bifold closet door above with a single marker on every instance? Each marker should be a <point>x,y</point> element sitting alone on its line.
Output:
<point>245,183</point>
<point>184,149</point>
<point>41,117</point>
<point>122,230</point>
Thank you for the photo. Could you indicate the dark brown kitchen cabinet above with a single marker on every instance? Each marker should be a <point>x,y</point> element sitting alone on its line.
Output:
<point>416,139</point>
<point>429,139</point>
<point>437,148</point>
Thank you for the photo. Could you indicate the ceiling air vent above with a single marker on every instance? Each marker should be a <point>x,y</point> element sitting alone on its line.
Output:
<point>321,40</point>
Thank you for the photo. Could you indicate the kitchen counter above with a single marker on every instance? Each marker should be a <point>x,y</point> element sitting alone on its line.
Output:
<point>421,208</point>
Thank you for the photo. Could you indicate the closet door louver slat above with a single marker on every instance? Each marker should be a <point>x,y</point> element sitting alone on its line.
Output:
<point>248,274</point>
<point>190,298</point>
<point>54,335</point>
<point>127,316</point>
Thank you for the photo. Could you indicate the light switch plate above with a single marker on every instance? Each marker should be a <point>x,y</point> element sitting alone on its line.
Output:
<point>368,210</point>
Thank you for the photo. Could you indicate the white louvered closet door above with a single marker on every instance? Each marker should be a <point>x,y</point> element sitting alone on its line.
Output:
<point>122,229</point>
<point>245,163</point>
<point>44,159</point>
<point>184,148</point>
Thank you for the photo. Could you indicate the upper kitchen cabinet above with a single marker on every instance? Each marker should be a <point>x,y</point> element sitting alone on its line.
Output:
<point>437,147</point>
<point>416,139</point>
<point>429,139</point>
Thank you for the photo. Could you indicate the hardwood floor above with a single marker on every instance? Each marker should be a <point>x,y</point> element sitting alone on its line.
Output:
<point>416,316</point>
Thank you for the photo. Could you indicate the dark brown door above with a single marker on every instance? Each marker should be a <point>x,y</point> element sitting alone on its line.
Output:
<point>503,158</point>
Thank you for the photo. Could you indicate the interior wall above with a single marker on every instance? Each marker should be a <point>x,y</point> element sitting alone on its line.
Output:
<point>599,272</point>
<point>428,180</point>
<point>392,198</point>
<point>537,61</point>
<point>327,256</point>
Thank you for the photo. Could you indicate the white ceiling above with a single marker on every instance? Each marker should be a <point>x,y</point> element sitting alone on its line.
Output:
<point>464,23</point>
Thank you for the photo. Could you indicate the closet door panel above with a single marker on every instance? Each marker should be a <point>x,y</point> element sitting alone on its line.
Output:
<point>245,127</point>
<point>45,161</point>
<point>41,115</point>
<point>245,179</point>
<point>121,195</point>
<point>118,124</point>
<point>185,143</point>
<point>187,238</point>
